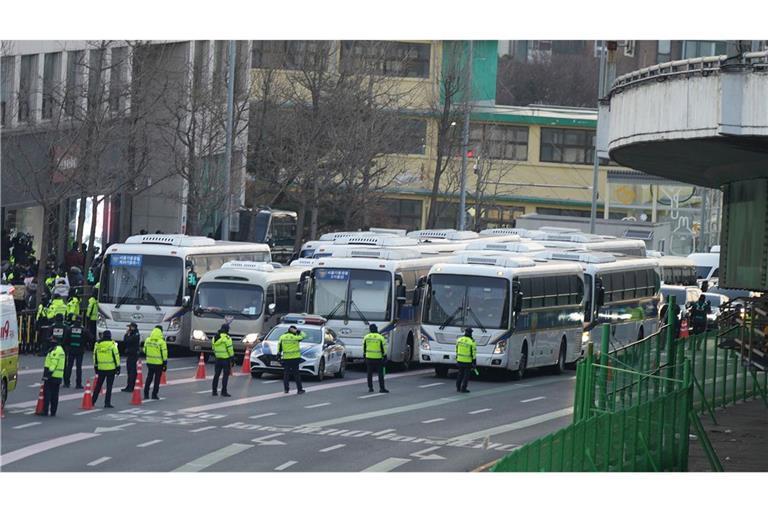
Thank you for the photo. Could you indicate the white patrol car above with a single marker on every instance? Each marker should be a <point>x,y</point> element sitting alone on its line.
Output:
<point>322,353</point>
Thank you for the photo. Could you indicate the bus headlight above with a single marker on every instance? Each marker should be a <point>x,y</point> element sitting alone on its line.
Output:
<point>101,322</point>
<point>198,335</point>
<point>424,343</point>
<point>585,337</point>
<point>251,338</point>
<point>501,347</point>
<point>174,324</point>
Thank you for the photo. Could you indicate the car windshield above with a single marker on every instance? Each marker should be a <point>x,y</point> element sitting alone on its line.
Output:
<point>314,335</point>
<point>467,301</point>
<point>223,298</point>
<point>356,294</point>
<point>142,279</point>
<point>702,272</point>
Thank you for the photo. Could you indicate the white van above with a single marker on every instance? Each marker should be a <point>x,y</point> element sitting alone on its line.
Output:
<point>707,264</point>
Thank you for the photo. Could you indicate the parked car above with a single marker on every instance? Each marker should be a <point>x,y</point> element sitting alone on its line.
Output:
<point>322,353</point>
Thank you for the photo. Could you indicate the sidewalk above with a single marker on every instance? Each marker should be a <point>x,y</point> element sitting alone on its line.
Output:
<point>740,438</point>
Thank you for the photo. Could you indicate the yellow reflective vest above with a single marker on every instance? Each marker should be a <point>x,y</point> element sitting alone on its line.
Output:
<point>222,346</point>
<point>466,350</point>
<point>42,312</point>
<point>374,345</point>
<point>57,307</point>
<point>289,345</point>
<point>54,362</point>
<point>105,355</point>
<point>155,348</point>
<point>73,308</point>
<point>92,311</point>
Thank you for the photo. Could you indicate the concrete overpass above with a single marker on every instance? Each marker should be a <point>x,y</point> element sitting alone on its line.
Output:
<point>702,121</point>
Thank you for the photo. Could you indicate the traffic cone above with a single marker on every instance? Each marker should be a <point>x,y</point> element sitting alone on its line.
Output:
<point>246,362</point>
<point>140,373</point>
<point>87,404</point>
<point>40,400</point>
<point>163,380</point>
<point>136,398</point>
<point>200,368</point>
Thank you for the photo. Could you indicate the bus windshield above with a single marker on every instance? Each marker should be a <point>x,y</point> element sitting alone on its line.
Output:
<point>467,301</point>
<point>220,299</point>
<point>142,279</point>
<point>355,294</point>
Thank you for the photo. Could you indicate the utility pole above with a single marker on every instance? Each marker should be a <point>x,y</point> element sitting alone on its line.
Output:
<point>225,228</point>
<point>465,141</point>
<point>596,168</point>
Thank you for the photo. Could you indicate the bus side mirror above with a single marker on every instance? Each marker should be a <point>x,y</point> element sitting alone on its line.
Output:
<point>400,297</point>
<point>271,309</point>
<point>186,301</point>
<point>518,301</point>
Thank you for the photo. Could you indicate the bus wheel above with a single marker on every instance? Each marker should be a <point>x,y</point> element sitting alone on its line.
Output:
<point>407,364</point>
<point>441,371</point>
<point>520,372</point>
<point>4,392</point>
<point>559,366</point>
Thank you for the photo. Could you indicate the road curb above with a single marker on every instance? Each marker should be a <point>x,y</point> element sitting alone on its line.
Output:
<point>485,467</point>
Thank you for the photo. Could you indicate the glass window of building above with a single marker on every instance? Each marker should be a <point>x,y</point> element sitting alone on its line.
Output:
<point>6,67</point>
<point>290,54</point>
<point>401,213</point>
<point>567,146</point>
<point>26,85</point>
<point>663,51</point>
<point>74,81</point>
<point>117,77</point>
<point>51,65</point>
<point>499,142</point>
<point>411,137</point>
<point>386,58</point>
<point>693,49</point>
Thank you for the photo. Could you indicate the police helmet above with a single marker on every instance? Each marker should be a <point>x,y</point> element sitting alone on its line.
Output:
<point>468,332</point>
<point>224,328</point>
<point>373,328</point>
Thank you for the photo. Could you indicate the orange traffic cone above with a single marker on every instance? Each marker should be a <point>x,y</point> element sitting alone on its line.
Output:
<point>200,368</point>
<point>40,400</point>
<point>246,363</point>
<point>87,404</point>
<point>136,398</point>
<point>140,373</point>
<point>163,380</point>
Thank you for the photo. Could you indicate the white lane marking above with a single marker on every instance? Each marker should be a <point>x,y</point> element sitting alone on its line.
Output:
<point>280,394</point>
<point>19,427</point>
<point>202,429</point>
<point>479,411</point>
<point>264,415</point>
<point>370,395</point>
<point>82,413</point>
<point>204,391</point>
<point>317,405</point>
<point>35,385</point>
<point>149,443</point>
<point>432,385</point>
<point>214,457</point>
<point>382,432</point>
<point>286,465</point>
<point>34,449</point>
<point>387,464</point>
<point>425,455</point>
<point>269,440</point>
<point>34,370</point>
<point>182,368</point>
<point>28,413</point>
<point>274,381</point>
<point>434,420</point>
<point>518,425</point>
<point>331,448</point>
<point>532,399</point>
<point>98,461</point>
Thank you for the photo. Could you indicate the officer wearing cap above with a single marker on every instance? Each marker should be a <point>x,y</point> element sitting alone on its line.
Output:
<point>375,352</point>
<point>106,360</point>
<point>289,350</point>
<point>466,356</point>
<point>132,342</point>
<point>156,351</point>
<point>55,361</point>
<point>75,340</point>
<point>225,358</point>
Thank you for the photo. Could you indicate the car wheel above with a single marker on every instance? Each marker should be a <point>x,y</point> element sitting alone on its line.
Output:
<point>441,371</point>
<point>559,366</point>
<point>321,370</point>
<point>520,372</point>
<point>256,375</point>
<point>342,368</point>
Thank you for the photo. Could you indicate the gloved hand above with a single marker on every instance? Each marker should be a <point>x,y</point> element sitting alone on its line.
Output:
<point>474,364</point>
<point>165,366</point>
<point>118,371</point>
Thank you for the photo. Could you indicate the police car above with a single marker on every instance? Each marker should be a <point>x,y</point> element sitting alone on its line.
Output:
<point>322,353</point>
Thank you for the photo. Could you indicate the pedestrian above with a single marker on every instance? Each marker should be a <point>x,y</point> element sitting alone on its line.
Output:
<point>55,361</point>
<point>106,360</point>
<point>75,341</point>
<point>92,314</point>
<point>225,358</point>
<point>157,361</point>
<point>289,351</point>
<point>466,359</point>
<point>375,352</point>
<point>132,343</point>
<point>699,311</point>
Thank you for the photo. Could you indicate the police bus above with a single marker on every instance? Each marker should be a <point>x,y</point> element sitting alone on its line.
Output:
<point>149,280</point>
<point>250,297</point>
<point>572,239</point>
<point>524,314</point>
<point>360,285</point>
<point>677,270</point>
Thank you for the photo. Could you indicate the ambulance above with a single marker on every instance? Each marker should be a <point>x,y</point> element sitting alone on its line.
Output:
<point>9,345</point>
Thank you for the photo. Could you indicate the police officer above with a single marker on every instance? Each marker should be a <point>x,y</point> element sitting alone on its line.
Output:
<point>106,360</point>
<point>73,306</point>
<point>58,329</point>
<point>75,338</point>
<point>92,314</point>
<point>56,307</point>
<point>225,356</point>
<point>132,343</point>
<point>289,350</point>
<point>55,361</point>
<point>466,358</point>
<point>42,325</point>
<point>699,311</point>
<point>375,352</point>
<point>157,361</point>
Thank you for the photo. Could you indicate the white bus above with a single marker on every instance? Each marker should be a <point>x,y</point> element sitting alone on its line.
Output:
<point>149,280</point>
<point>357,286</point>
<point>250,297</point>
<point>677,270</point>
<point>524,314</point>
<point>309,249</point>
<point>555,238</point>
<point>621,291</point>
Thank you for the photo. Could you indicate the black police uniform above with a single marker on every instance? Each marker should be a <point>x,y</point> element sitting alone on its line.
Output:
<point>132,342</point>
<point>75,340</point>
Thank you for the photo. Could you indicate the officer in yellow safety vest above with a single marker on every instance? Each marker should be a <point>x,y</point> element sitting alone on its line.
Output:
<point>42,324</point>
<point>466,358</point>
<point>106,360</point>
<point>55,361</point>
<point>225,358</point>
<point>289,350</point>
<point>375,352</point>
<point>156,351</point>
<point>56,307</point>
<point>73,307</point>
<point>92,314</point>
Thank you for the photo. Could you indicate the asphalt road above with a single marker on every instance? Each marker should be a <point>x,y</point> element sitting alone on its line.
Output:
<point>421,425</point>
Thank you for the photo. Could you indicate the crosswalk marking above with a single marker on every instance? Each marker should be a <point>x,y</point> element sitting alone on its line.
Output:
<point>263,415</point>
<point>98,461</point>
<point>387,464</point>
<point>317,405</point>
<point>202,429</point>
<point>432,385</point>
<point>214,457</point>
<point>331,448</point>
<point>82,413</point>
<point>286,465</point>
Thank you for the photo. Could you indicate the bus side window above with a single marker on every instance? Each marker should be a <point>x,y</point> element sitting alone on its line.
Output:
<point>630,284</point>
<point>642,283</point>
<point>271,298</point>
<point>283,297</point>
<point>563,290</point>
<point>295,305</point>
<point>537,292</point>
